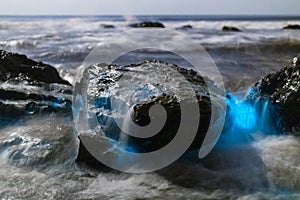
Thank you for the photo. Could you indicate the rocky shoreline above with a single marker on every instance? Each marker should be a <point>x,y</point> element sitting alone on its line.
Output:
<point>28,87</point>
<point>50,93</point>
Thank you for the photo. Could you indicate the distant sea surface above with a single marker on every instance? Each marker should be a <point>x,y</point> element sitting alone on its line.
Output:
<point>267,169</point>
<point>64,41</point>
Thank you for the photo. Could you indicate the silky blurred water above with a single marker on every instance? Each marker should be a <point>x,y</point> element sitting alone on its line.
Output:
<point>38,152</point>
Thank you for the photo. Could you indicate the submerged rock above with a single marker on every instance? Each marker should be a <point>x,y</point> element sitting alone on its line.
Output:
<point>292,26</point>
<point>230,29</point>
<point>147,24</point>
<point>283,88</point>
<point>186,27</point>
<point>28,87</point>
<point>108,26</point>
<point>111,86</point>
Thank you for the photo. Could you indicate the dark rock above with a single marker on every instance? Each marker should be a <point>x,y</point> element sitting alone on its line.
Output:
<point>85,159</point>
<point>108,26</point>
<point>186,27</point>
<point>16,67</point>
<point>18,74</point>
<point>147,24</point>
<point>230,29</point>
<point>292,26</point>
<point>10,111</point>
<point>171,103</point>
<point>283,88</point>
<point>168,132</point>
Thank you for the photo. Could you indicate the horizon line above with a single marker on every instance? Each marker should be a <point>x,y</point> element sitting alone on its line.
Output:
<point>117,15</point>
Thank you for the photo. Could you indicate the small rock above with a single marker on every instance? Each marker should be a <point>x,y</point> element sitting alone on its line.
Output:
<point>108,26</point>
<point>186,27</point>
<point>147,24</point>
<point>230,29</point>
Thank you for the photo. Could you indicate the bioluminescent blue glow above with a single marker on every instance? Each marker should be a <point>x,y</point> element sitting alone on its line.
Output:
<point>57,102</point>
<point>103,102</point>
<point>246,117</point>
<point>242,113</point>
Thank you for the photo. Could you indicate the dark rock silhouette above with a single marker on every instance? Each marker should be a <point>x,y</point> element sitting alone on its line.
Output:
<point>147,24</point>
<point>230,29</point>
<point>16,67</point>
<point>108,26</point>
<point>186,27</point>
<point>292,26</point>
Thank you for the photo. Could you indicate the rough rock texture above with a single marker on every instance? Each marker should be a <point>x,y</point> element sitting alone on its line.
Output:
<point>147,24</point>
<point>230,29</point>
<point>140,116</point>
<point>28,87</point>
<point>283,88</point>
<point>292,26</point>
<point>16,67</point>
<point>172,107</point>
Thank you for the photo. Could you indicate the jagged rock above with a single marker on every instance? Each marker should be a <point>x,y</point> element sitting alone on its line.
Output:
<point>28,87</point>
<point>292,26</point>
<point>16,67</point>
<point>283,88</point>
<point>230,29</point>
<point>103,81</point>
<point>147,24</point>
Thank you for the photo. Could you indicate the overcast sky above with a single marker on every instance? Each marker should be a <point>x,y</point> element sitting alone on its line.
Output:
<point>134,7</point>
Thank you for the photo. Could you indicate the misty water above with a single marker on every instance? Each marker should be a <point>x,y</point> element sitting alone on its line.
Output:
<point>252,159</point>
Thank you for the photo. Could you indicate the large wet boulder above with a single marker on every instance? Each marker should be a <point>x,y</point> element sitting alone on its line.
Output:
<point>28,87</point>
<point>283,88</point>
<point>292,26</point>
<point>230,29</point>
<point>110,85</point>
<point>147,24</point>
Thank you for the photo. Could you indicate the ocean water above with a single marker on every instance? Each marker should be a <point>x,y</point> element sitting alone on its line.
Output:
<point>38,153</point>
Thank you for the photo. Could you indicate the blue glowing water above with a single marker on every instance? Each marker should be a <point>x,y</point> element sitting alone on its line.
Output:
<point>242,113</point>
<point>246,118</point>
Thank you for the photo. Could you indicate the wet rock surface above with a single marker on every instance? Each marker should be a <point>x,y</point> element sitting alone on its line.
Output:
<point>28,87</point>
<point>172,107</point>
<point>147,24</point>
<point>283,88</point>
<point>16,67</point>
<point>109,77</point>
